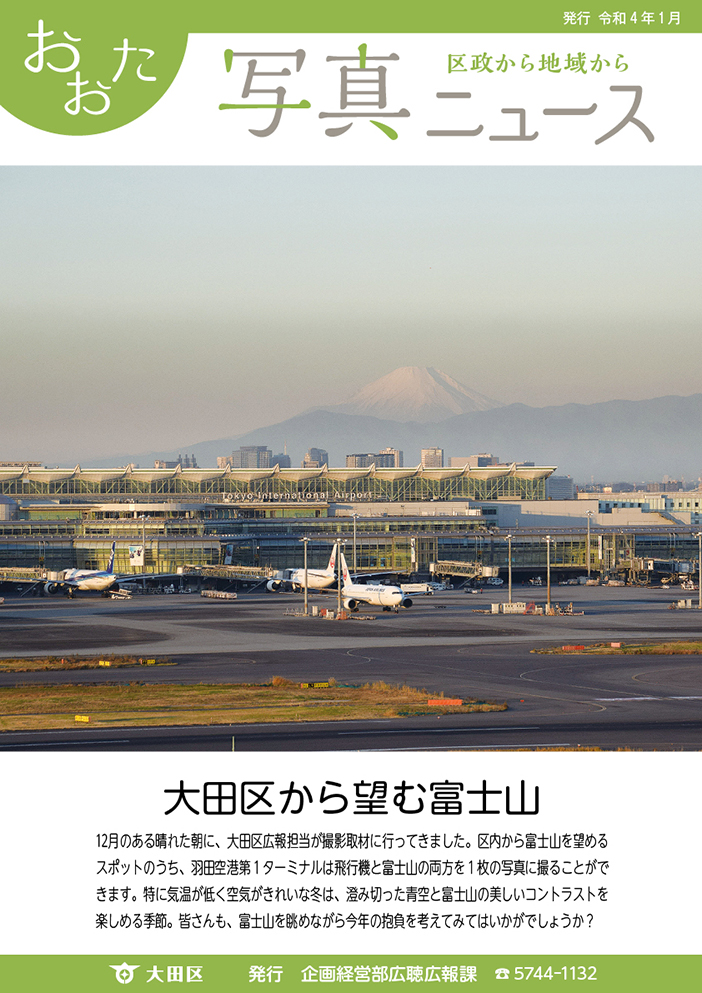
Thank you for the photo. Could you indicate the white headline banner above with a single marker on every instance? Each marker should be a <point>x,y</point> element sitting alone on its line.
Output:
<point>404,99</point>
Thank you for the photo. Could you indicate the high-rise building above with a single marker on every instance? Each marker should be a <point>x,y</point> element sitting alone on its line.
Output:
<point>282,460</point>
<point>360,460</point>
<point>560,488</point>
<point>483,460</point>
<point>184,461</point>
<point>390,458</point>
<point>474,461</point>
<point>315,458</point>
<point>432,458</point>
<point>251,457</point>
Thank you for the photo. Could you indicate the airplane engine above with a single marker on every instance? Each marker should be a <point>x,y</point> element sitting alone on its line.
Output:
<point>51,587</point>
<point>273,585</point>
<point>351,604</point>
<point>405,602</point>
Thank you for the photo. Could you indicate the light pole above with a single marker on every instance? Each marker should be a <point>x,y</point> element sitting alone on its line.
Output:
<point>548,573</point>
<point>339,575</point>
<point>143,552</point>
<point>355,516</point>
<point>590,514</point>
<point>509,566</point>
<point>632,546</point>
<point>305,542</point>
<point>699,569</point>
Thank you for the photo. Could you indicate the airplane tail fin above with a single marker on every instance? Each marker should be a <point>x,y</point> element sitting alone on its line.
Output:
<point>346,579</point>
<point>332,562</point>
<point>111,563</point>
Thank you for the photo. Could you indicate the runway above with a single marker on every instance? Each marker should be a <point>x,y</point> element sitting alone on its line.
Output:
<point>554,700</point>
<point>419,734</point>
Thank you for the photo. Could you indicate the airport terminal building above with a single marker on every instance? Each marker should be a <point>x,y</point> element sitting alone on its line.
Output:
<point>258,489</point>
<point>401,519</point>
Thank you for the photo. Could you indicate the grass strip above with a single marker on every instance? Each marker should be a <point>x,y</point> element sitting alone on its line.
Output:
<point>60,663</point>
<point>633,648</point>
<point>138,704</point>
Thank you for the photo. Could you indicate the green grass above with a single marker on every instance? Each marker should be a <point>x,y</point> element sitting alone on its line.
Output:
<point>138,704</point>
<point>633,648</point>
<point>63,662</point>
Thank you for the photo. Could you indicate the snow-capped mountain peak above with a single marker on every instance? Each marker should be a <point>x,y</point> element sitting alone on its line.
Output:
<point>415,393</point>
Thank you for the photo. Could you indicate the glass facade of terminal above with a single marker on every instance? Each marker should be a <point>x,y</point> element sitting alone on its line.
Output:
<point>284,485</point>
<point>160,555</point>
<point>405,545</point>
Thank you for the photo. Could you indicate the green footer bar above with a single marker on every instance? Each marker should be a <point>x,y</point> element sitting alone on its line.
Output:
<point>214,973</point>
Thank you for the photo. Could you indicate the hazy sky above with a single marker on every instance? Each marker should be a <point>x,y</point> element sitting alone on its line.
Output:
<point>150,308</point>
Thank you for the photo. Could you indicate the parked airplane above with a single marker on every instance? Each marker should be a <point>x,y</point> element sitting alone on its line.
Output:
<point>87,579</point>
<point>294,579</point>
<point>377,595</point>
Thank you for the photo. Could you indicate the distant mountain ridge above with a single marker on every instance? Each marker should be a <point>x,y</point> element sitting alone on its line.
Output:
<point>612,440</point>
<point>415,393</point>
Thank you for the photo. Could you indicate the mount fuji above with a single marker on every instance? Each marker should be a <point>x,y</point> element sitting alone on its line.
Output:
<point>413,408</point>
<point>414,393</point>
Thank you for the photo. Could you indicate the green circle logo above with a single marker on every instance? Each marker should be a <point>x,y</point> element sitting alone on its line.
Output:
<point>75,68</point>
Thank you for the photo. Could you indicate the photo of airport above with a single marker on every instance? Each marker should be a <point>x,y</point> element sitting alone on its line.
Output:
<point>509,565</point>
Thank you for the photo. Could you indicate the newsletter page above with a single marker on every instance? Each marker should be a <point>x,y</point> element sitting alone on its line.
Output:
<point>350,494</point>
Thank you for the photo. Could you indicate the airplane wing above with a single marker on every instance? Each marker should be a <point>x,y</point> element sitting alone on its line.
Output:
<point>29,586</point>
<point>363,577</point>
<point>130,577</point>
